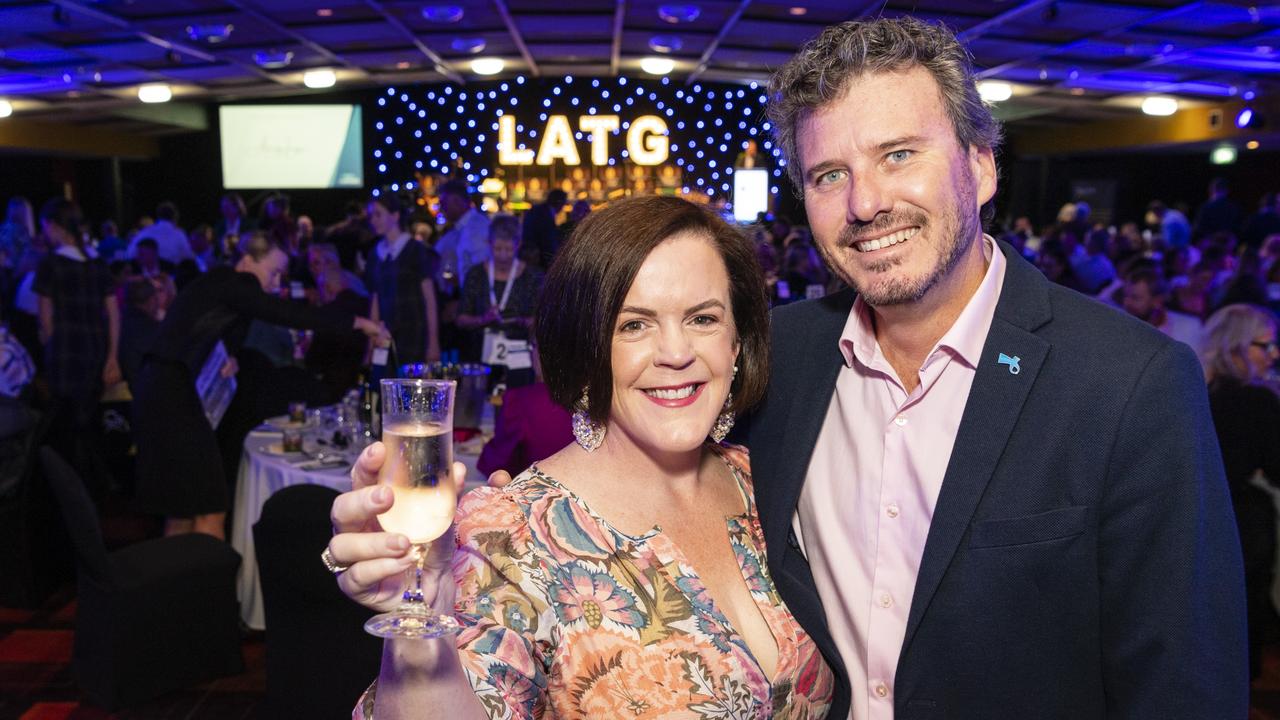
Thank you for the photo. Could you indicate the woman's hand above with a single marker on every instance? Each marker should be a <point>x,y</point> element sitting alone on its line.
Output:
<point>375,330</point>
<point>377,561</point>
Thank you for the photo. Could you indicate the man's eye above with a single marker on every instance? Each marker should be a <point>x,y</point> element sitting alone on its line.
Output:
<point>899,155</point>
<point>828,177</point>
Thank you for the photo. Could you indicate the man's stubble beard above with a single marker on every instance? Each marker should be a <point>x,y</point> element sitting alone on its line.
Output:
<point>901,291</point>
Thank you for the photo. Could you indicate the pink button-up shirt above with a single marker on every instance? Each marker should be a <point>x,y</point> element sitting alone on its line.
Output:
<point>873,481</point>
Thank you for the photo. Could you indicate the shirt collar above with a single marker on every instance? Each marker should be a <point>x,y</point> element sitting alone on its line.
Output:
<point>965,338</point>
<point>390,250</point>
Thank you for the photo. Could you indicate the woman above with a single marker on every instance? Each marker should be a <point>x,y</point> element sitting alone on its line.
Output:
<point>624,575</point>
<point>399,279</point>
<point>498,298</point>
<point>79,324</point>
<point>1238,352</point>
<point>180,470</point>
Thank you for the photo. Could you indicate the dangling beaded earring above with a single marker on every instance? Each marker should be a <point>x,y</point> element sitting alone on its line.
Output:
<point>588,433</point>
<point>724,421</point>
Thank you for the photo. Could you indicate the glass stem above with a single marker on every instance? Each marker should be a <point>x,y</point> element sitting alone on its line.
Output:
<point>414,594</point>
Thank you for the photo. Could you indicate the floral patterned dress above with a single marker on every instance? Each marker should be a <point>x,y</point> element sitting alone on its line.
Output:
<point>564,616</point>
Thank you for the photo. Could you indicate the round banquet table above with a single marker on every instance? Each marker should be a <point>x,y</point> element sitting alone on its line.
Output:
<point>262,473</point>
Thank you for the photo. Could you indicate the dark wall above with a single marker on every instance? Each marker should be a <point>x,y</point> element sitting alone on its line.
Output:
<point>1038,187</point>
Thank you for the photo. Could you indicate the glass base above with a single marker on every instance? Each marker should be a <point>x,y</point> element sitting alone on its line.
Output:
<point>415,622</point>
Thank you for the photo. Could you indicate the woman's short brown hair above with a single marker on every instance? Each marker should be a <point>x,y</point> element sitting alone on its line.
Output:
<point>589,279</point>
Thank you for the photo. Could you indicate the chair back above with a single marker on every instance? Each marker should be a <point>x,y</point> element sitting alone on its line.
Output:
<point>80,515</point>
<point>319,659</point>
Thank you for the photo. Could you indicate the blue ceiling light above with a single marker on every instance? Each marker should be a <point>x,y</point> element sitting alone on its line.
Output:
<point>1250,119</point>
<point>442,14</point>
<point>212,33</point>
<point>471,46</point>
<point>665,44</point>
<point>272,59</point>
<point>676,14</point>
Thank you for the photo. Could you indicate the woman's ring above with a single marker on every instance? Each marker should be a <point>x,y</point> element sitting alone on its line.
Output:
<point>330,564</point>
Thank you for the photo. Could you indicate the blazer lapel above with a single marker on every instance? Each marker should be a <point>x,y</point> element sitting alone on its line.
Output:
<point>994,403</point>
<point>814,366</point>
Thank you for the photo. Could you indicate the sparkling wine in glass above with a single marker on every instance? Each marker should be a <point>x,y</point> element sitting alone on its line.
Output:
<point>417,431</point>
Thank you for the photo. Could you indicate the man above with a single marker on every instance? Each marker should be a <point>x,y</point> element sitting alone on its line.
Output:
<point>983,495</point>
<point>540,230</point>
<point>1173,225</point>
<point>170,239</point>
<point>147,261</point>
<point>233,221</point>
<point>1219,213</point>
<point>466,243</point>
<point>1145,294</point>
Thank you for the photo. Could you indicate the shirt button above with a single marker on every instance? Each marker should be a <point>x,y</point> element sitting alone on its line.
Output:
<point>881,690</point>
<point>900,420</point>
<point>886,600</point>
<point>891,511</point>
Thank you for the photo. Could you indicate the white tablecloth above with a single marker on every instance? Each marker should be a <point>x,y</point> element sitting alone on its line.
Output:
<point>263,473</point>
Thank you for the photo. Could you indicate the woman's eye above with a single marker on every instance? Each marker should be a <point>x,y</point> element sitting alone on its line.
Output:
<point>705,320</point>
<point>631,326</point>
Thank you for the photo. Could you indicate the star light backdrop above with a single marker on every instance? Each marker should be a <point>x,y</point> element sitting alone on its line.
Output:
<point>453,130</point>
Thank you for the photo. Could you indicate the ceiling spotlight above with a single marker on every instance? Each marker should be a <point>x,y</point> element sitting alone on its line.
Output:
<point>657,65</point>
<point>443,14</point>
<point>6,108</point>
<point>272,59</point>
<point>317,79</point>
<point>665,43</point>
<point>1156,105</point>
<point>798,11</point>
<point>487,66</point>
<point>1250,119</point>
<point>324,12</point>
<point>1224,155</point>
<point>675,14</point>
<point>993,91</point>
<point>155,93</point>
<point>212,33</point>
<point>1252,144</point>
<point>469,45</point>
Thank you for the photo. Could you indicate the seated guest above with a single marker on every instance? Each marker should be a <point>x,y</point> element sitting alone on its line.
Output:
<point>139,325</point>
<point>336,359</point>
<point>1238,354</point>
<point>111,245</point>
<point>530,427</point>
<point>498,297</point>
<point>147,261</point>
<point>321,257</point>
<point>1145,295</point>
<point>1092,267</point>
<point>203,256</point>
<point>170,240</point>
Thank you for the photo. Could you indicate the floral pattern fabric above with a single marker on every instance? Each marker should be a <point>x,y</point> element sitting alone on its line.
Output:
<point>564,616</point>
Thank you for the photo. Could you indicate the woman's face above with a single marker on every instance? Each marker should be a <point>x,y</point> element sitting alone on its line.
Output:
<point>504,251</point>
<point>1262,354</point>
<point>383,223</point>
<point>674,348</point>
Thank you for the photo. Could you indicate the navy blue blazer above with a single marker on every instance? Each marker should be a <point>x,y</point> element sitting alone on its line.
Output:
<point>1082,561</point>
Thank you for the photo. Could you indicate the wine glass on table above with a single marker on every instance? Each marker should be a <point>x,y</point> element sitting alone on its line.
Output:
<point>417,431</point>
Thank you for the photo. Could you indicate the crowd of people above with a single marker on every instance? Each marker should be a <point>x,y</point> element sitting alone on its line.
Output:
<point>305,309</point>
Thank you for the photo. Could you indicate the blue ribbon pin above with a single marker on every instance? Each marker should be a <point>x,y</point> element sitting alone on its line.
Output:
<point>1012,362</point>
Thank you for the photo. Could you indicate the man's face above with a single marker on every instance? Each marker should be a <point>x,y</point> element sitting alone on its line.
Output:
<point>452,206</point>
<point>200,241</point>
<point>892,198</point>
<point>1139,301</point>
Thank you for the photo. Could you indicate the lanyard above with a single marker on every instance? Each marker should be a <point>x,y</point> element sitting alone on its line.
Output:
<point>506,291</point>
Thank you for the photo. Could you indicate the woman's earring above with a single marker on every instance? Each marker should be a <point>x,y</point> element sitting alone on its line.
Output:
<point>724,421</point>
<point>588,433</point>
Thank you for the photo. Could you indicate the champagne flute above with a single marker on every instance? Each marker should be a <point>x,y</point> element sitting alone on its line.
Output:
<point>417,430</point>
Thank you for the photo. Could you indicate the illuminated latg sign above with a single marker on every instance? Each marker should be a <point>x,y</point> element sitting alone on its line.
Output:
<point>646,141</point>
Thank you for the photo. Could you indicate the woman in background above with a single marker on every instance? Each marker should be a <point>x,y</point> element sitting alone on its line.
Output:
<point>79,324</point>
<point>1238,352</point>
<point>399,278</point>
